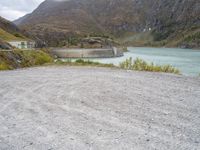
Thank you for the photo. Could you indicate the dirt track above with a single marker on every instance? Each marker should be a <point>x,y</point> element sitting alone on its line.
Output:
<point>74,108</point>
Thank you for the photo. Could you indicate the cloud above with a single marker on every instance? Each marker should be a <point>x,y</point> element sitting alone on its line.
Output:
<point>13,9</point>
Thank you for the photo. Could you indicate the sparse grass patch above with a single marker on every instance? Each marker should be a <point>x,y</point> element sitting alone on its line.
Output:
<point>82,62</point>
<point>141,65</point>
<point>125,49</point>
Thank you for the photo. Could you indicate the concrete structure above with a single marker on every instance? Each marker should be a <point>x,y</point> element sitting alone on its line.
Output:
<point>87,53</point>
<point>24,44</point>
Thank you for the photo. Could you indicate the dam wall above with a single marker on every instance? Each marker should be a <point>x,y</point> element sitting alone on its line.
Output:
<point>87,53</point>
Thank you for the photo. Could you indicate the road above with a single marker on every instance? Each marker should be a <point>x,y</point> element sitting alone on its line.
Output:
<point>85,108</point>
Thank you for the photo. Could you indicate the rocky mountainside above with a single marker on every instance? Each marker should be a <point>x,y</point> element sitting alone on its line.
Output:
<point>8,26</point>
<point>11,32</point>
<point>8,31</point>
<point>145,22</point>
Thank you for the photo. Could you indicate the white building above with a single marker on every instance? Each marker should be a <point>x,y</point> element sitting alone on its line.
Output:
<point>25,44</point>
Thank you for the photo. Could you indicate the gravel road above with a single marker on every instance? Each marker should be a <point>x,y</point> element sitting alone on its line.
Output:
<point>85,108</point>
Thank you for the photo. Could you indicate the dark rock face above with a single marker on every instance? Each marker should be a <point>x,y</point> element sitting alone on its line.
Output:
<point>55,20</point>
<point>4,45</point>
<point>8,26</point>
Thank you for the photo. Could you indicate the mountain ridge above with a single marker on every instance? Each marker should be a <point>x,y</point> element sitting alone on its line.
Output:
<point>56,21</point>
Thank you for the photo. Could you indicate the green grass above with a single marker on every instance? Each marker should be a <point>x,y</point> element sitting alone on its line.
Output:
<point>129,64</point>
<point>9,37</point>
<point>31,58</point>
<point>141,65</point>
<point>20,59</point>
<point>81,62</point>
<point>193,37</point>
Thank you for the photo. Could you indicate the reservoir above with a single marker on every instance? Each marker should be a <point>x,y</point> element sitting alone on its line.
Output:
<point>186,60</point>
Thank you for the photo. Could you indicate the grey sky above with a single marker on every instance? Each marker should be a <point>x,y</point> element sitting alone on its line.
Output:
<point>13,9</point>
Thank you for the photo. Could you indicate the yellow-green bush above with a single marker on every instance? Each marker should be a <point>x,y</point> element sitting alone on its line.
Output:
<point>4,66</point>
<point>32,58</point>
<point>141,65</point>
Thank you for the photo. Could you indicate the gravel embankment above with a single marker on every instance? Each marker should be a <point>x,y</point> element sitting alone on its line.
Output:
<point>85,108</point>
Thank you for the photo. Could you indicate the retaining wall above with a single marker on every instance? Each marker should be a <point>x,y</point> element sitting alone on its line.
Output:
<point>87,53</point>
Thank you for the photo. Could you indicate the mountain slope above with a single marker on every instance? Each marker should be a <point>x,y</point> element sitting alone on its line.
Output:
<point>9,32</point>
<point>8,26</point>
<point>54,20</point>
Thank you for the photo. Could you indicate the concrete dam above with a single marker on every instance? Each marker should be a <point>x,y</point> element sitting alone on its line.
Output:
<point>87,53</point>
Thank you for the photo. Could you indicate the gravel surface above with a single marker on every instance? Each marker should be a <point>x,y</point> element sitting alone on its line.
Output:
<point>85,108</point>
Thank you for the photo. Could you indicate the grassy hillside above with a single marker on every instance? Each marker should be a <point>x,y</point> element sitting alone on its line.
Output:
<point>136,39</point>
<point>9,37</point>
<point>19,59</point>
<point>9,32</point>
<point>10,27</point>
<point>183,37</point>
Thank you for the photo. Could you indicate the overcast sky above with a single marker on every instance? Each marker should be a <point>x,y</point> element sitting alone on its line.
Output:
<point>13,9</point>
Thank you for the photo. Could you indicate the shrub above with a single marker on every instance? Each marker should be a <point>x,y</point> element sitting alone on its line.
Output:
<point>32,57</point>
<point>141,65</point>
<point>73,41</point>
<point>18,35</point>
<point>42,58</point>
<point>125,49</point>
<point>4,66</point>
<point>79,61</point>
<point>82,62</point>
<point>194,37</point>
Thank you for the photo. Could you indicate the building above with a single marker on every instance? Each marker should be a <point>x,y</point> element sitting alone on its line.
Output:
<point>23,44</point>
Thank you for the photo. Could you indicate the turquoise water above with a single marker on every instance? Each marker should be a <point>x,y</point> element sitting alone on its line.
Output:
<point>186,60</point>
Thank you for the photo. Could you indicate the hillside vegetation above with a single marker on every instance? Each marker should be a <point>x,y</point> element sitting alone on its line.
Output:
<point>141,65</point>
<point>185,38</point>
<point>19,59</point>
<point>8,36</point>
<point>9,32</point>
<point>10,28</point>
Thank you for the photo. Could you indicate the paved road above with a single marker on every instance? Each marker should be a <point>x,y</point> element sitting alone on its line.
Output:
<point>74,108</point>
